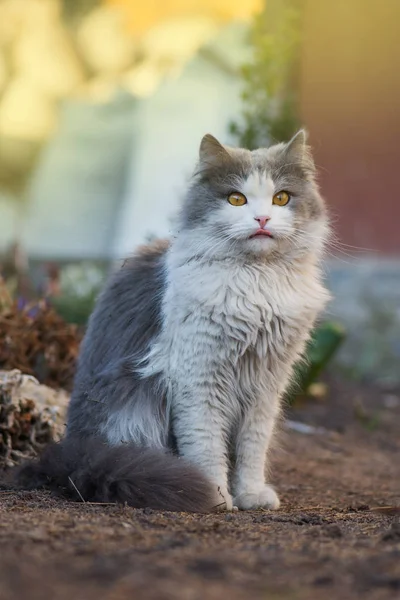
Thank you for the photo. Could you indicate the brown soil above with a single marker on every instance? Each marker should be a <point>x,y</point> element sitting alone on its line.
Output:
<point>329,540</point>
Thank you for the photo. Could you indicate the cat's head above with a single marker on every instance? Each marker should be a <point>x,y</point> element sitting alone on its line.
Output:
<point>263,202</point>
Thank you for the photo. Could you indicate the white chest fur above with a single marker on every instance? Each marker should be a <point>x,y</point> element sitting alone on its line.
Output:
<point>244,300</point>
<point>218,315</point>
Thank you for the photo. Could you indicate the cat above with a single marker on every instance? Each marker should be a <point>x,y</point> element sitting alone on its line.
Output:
<point>192,343</point>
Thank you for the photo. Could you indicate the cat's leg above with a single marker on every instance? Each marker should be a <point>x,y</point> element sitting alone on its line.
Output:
<point>201,435</point>
<point>250,489</point>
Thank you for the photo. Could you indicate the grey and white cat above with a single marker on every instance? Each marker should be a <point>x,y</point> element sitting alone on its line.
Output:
<point>192,343</point>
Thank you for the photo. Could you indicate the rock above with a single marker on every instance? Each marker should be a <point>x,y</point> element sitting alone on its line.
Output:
<point>31,415</point>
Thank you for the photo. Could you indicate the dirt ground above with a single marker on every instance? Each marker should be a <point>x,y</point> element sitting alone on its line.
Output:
<point>337,534</point>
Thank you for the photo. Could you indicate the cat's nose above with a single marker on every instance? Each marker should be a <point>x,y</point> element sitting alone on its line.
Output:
<point>262,221</point>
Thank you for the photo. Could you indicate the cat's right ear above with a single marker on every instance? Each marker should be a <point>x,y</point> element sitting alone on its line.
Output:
<point>212,153</point>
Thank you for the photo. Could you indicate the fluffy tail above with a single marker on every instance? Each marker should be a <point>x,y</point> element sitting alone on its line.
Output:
<point>91,471</point>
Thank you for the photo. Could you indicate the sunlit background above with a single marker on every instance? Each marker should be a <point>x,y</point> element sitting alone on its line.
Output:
<point>103,105</point>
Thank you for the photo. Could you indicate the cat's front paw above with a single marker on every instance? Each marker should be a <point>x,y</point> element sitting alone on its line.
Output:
<point>264,498</point>
<point>223,499</point>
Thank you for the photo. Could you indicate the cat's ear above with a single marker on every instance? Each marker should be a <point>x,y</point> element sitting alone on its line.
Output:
<point>297,150</point>
<point>298,144</point>
<point>212,152</point>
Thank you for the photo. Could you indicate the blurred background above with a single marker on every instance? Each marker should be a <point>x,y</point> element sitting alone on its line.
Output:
<point>102,107</point>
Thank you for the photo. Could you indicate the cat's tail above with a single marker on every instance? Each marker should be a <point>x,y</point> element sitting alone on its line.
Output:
<point>91,471</point>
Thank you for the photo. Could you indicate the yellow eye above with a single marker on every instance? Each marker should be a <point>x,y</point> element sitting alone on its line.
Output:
<point>281,199</point>
<point>237,199</point>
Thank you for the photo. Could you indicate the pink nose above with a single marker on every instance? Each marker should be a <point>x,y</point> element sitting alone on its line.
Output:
<point>262,221</point>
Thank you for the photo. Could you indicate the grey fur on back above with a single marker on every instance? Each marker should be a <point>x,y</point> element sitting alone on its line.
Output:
<point>125,321</point>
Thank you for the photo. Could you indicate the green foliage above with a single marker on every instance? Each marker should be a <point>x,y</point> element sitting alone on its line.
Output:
<point>269,94</point>
<point>324,343</point>
<point>74,309</point>
<point>80,285</point>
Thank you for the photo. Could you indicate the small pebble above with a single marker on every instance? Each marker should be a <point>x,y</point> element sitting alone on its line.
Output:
<point>229,517</point>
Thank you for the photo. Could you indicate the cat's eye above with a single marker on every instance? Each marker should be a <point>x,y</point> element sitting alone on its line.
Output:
<point>237,199</point>
<point>281,199</point>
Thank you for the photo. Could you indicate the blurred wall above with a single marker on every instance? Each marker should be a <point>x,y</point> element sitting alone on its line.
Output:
<point>350,101</point>
<point>76,192</point>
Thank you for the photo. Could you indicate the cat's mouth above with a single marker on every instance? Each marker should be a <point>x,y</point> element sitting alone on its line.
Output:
<point>261,233</point>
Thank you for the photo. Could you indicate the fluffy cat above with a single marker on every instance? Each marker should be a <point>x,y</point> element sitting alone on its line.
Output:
<point>192,343</point>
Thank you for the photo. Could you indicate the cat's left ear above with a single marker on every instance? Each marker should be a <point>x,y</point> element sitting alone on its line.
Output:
<point>212,152</point>
<point>297,144</point>
<point>298,150</point>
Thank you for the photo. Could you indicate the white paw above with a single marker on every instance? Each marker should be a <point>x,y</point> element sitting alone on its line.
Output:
<point>265,498</point>
<point>223,499</point>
